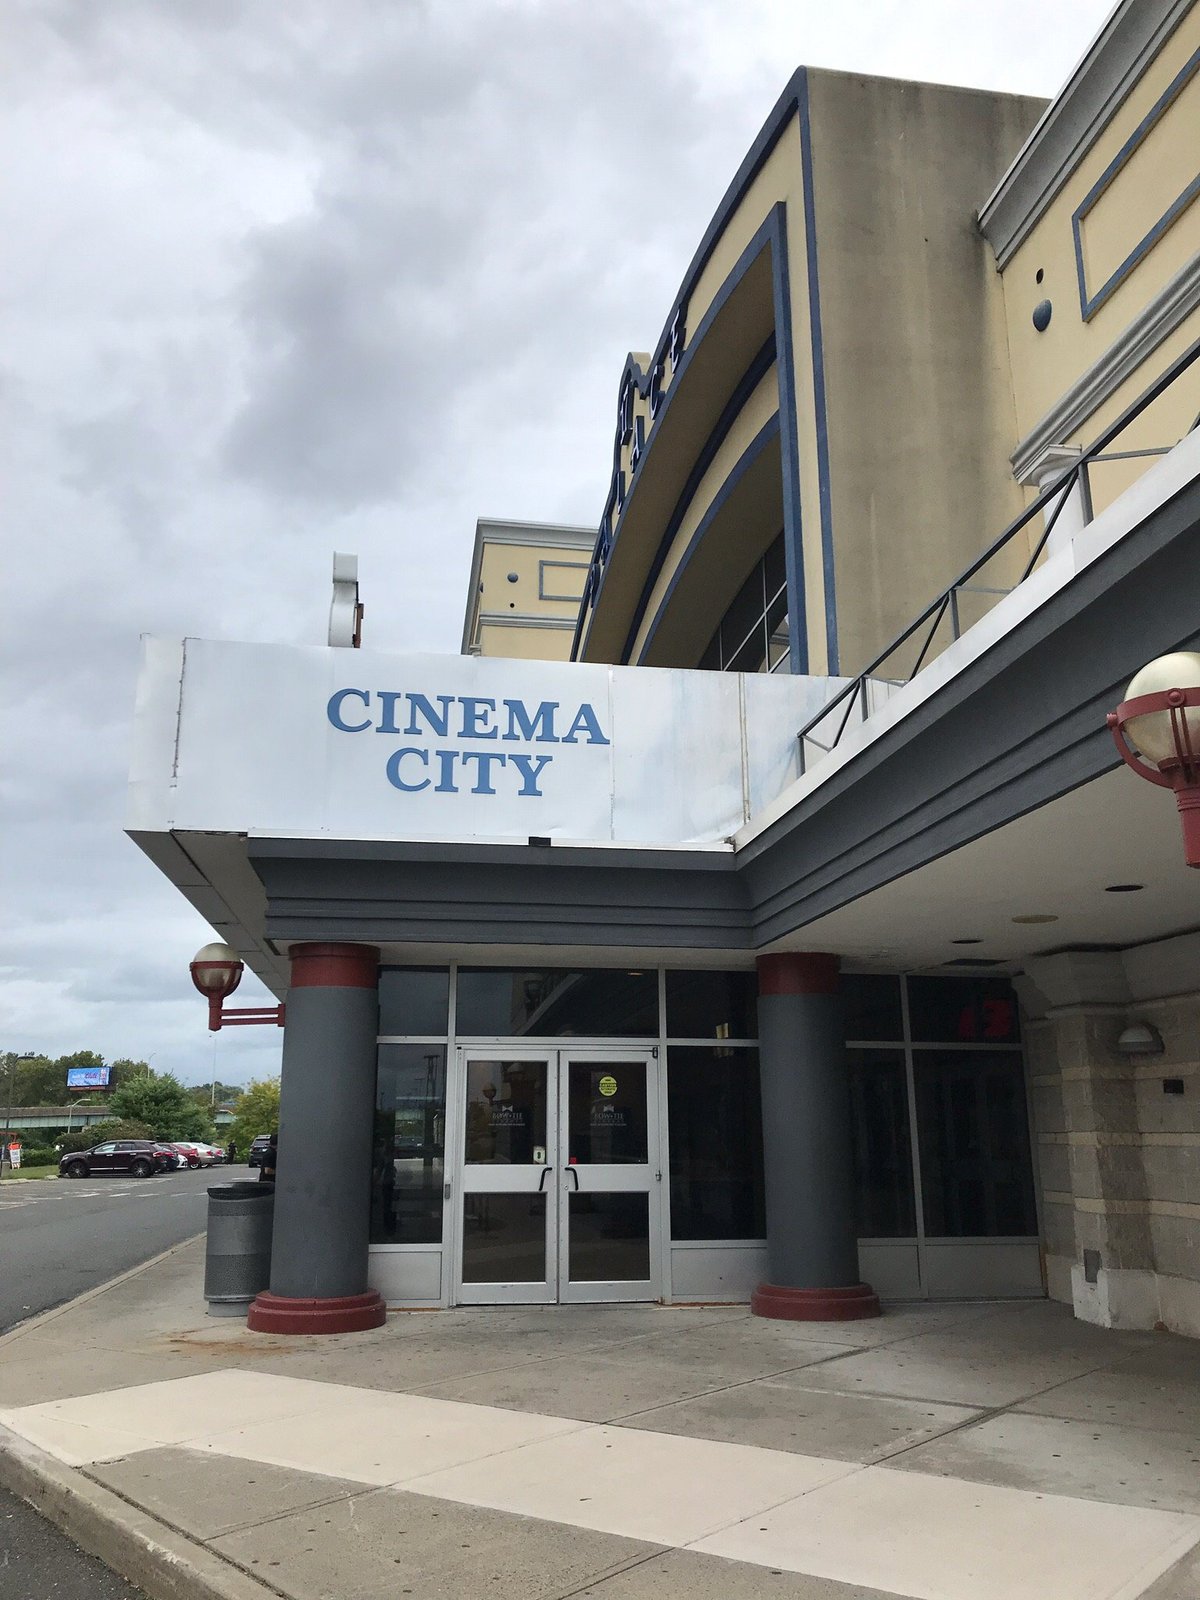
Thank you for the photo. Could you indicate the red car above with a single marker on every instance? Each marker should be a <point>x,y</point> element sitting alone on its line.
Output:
<point>189,1153</point>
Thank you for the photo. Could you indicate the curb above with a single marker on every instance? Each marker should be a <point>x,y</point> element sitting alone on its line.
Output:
<point>163,1562</point>
<point>39,1317</point>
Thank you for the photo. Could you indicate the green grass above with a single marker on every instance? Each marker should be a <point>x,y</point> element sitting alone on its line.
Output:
<point>23,1173</point>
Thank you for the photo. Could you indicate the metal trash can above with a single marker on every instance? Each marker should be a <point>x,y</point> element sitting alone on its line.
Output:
<point>237,1262</point>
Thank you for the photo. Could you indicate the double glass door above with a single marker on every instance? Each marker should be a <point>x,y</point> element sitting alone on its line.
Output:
<point>559,1188</point>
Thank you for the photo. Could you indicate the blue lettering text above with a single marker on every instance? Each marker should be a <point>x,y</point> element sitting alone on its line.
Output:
<point>393,769</point>
<point>334,710</point>
<point>585,719</point>
<point>539,726</point>
<point>446,783</point>
<point>486,759</point>
<point>477,718</point>
<point>529,772</point>
<point>387,699</point>
<point>437,724</point>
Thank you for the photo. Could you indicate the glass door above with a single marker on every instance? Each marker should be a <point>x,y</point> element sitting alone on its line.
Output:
<point>608,1177</point>
<point>508,1218</point>
<point>560,1177</point>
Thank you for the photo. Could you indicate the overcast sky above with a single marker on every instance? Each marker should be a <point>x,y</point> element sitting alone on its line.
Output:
<point>331,274</point>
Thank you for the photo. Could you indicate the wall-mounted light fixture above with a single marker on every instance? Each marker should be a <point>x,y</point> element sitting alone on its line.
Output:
<point>1159,719</point>
<point>216,971</point>
<point>1140,1039</point>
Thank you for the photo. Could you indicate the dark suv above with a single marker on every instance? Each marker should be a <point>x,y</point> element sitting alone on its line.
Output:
<point>134,1156</point>
<point>261,1141</point>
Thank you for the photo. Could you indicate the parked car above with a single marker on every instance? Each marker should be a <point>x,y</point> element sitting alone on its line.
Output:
<point>261,1141</point>
<point>189,1153</point>
<point>135,1156</point>
<point>206,1152</point>
<point>168,1158</point>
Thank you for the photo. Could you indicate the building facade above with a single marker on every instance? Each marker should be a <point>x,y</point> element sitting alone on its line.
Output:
<point>525,587</point>
<point>790,940</point>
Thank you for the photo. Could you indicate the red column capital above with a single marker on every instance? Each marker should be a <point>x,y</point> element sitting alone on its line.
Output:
<point>798,972</point>
<point>334,966</point>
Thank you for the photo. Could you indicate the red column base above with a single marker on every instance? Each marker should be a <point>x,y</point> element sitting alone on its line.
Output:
<point>352,1313</point>
<point>815,1305</point>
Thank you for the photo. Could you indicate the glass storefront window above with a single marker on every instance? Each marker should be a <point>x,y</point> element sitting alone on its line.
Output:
<point>962,1011</point>
<point>606,1121</point>
<point>540,1003</point>
<point>504,1238</point>
<point>715,1157</point>
<point>609,1237</point>
<point>408,1147</point>
<point>712,1005</point>
<point>752,636</point>
<point>414,1000</point>
<point>506,1111</point>
<point>872,1006</point>
<point>882,1150</point>
<point>974,1139</point>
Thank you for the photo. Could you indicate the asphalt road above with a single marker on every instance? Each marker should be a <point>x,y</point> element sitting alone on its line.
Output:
<point>38,1562</point>
<point>60,1237</point>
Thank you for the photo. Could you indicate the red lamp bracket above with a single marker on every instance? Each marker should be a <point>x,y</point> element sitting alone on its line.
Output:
<point>220,1016</point>
<point>1182,771</point>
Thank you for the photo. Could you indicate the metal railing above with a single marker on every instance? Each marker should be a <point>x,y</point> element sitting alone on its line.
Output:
<point>946,605</point>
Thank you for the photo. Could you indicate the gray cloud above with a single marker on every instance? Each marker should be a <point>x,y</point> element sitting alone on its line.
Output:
<point>284,279</point>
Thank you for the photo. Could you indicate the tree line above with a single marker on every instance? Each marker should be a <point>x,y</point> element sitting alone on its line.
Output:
<point>144,1104</point>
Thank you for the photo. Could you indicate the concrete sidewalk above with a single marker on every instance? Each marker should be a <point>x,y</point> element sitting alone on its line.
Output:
<point>960,1452</point>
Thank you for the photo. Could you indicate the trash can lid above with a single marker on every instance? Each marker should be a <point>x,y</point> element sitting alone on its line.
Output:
<point>240,1191</point>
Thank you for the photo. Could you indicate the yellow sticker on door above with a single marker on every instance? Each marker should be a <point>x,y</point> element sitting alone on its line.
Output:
<point>607,1085</point>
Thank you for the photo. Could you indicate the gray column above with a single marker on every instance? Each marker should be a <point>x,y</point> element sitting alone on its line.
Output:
<point>322,1191</point>
<point>808,1147</point>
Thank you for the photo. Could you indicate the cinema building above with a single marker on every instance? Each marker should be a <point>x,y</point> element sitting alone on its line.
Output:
<point>758,907</point>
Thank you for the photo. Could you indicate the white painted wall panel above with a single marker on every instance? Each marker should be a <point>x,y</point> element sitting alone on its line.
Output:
<point>407,1277</point>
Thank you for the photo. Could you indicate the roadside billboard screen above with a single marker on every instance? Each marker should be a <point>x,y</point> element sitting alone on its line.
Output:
<point>87,1077</point>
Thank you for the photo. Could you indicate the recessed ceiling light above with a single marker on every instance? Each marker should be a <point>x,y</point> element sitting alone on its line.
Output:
<point>1123,888</point>
<point>1036,916</point>
<point>966,941</point>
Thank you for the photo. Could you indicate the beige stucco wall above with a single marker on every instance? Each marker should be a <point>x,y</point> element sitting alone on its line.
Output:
<point>512,640</point>
<point>533,616</point>
<point>532,566</point>
<point>1045,364</point>
<point>933,371</point>
<point>919,404</point>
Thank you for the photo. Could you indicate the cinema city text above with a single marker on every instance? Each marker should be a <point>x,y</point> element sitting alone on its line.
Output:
<point>459,718</point>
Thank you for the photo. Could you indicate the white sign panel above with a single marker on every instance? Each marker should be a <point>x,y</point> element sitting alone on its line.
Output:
<point>289,742</point>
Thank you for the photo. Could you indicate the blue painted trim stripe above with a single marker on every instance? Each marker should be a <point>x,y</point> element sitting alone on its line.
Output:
<point>770,430</point>
<point>1089,305</point>
<point>768,137</point>
<point>770,232</point>
<point>745,387</point>
<point>824,497</point>
<point>793,522</point>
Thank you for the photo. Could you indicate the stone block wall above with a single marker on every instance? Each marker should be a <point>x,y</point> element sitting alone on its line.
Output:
<point>1117,1157</point>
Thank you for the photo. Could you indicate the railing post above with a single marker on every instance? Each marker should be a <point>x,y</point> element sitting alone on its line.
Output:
<point>1085,491</point>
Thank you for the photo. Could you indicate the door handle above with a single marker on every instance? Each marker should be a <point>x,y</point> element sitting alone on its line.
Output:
<point>572,1172</point>
<point>546,1171</point>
